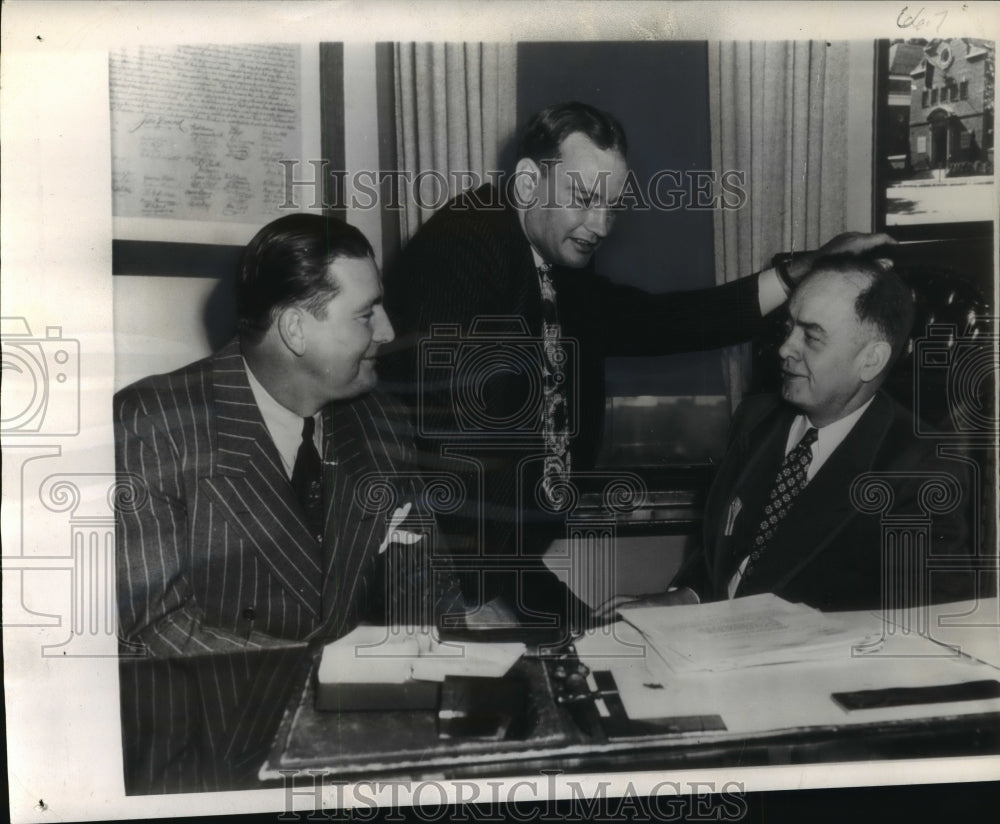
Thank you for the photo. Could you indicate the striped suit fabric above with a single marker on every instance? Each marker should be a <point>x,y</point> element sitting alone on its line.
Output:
<point>221,584</point>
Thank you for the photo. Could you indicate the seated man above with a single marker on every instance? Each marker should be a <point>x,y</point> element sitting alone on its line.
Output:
<point>779,516</point>
<point>246,533</point>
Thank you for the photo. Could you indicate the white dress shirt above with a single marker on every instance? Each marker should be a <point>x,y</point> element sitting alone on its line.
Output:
<point>284,426</point>
<point>827,439</point>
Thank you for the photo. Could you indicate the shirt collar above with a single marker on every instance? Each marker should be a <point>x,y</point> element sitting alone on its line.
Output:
<point>284,426</point>
<point>839,429</point>
<point>828,438</point>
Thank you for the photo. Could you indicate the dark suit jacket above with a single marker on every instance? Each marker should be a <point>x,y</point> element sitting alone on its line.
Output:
<point>472,261</point>
<point>221,585</point>
<point>825,552</point>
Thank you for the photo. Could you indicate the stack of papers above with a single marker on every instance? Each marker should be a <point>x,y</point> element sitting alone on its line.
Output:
<point>758,630</point>
<point>383,655</point>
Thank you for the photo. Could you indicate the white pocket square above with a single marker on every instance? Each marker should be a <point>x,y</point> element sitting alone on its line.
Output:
<point>395,535</point>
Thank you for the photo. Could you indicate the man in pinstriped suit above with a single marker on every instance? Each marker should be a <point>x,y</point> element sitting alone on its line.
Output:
<point>223,579</point>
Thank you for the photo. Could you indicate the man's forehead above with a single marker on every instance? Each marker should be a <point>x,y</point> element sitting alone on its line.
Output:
<point>832,286</point>
<point>577,148</point>
<point>827,296</point>
<point>585,166</point>
<point>355,277</point>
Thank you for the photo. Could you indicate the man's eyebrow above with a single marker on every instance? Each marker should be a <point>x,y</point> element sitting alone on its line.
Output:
<point>598,190</point>
<point>810,326</point>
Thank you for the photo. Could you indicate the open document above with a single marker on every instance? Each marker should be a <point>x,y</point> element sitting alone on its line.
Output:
<point>746,632</point>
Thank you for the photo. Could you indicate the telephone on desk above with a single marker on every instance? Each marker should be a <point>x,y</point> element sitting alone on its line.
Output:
<point>592,699</point>
<point>582,705</point>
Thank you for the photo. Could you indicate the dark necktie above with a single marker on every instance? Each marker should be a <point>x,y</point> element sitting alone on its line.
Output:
<point>555,421</point>
<point>307,479</point>
<point>790,481</point>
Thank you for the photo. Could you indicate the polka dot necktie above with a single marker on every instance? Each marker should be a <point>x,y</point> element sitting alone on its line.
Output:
<point>555,421</point>
<point>307,479</point>
<point>790,481</point>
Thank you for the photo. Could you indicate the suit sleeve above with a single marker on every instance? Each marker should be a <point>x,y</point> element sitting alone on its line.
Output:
<point>453,273</point>
<point>156,608</point>
<point>635,322</point>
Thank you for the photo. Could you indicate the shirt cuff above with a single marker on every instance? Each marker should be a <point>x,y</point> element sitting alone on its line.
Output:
<point>770,291</point>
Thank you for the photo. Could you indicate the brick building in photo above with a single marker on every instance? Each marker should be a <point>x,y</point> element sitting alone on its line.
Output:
<point>951,106</point>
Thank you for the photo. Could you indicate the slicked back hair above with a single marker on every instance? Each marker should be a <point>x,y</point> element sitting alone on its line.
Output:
<point>287,264</point>
<point>546,131</point>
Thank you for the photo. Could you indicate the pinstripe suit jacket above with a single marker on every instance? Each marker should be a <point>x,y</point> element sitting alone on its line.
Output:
<point>221,584</point>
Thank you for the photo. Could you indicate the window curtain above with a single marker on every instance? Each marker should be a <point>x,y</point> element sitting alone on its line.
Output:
<point>778,113</point>
<point>455,106</point>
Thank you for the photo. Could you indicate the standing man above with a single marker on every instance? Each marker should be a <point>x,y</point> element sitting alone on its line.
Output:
<point>246,535</point>
<point>511,273</point>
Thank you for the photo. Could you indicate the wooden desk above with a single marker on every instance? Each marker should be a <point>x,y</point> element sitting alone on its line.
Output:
<point>406,745</point>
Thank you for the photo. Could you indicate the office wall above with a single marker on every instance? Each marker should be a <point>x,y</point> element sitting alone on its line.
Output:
<point>172,305</point>
<point>657,89</point>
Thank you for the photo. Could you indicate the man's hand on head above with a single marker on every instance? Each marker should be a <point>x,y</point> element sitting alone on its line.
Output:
<point>846,243</point>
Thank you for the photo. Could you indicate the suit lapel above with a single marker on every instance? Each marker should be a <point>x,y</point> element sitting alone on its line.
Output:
<point>755,464</point>
<point>824,507</point>
<point>249,482</point>
<point>350,528</point>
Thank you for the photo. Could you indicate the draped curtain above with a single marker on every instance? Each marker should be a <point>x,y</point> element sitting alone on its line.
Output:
<point>778,114</point>
<point>455,107</point>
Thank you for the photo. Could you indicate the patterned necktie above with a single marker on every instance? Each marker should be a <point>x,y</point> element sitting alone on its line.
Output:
<point>307,479</point>
<point>555,420</point>
<point>790,481</point>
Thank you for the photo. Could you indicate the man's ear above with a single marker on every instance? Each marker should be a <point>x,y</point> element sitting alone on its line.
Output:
<point>291,329</point>
<point>526,179</point>
<point>875,358</point>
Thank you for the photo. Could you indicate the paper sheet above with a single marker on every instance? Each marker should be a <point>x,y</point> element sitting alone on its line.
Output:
<point>755,631</point>
<point>792,695</point>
